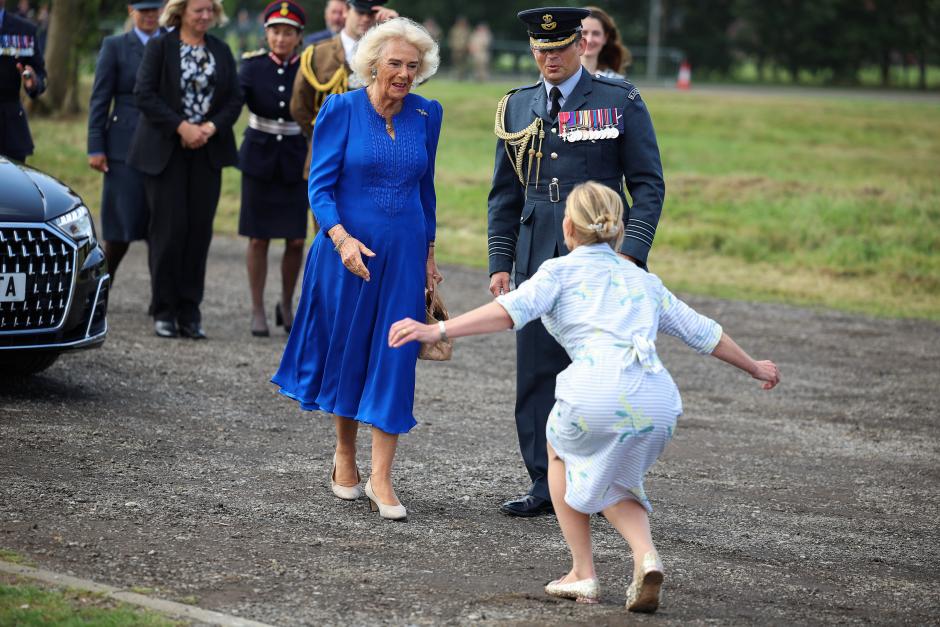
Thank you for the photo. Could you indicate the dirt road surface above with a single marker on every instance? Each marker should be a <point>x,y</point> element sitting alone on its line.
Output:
<point>174,467</point>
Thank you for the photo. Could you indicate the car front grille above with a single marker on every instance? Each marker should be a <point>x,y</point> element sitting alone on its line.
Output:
<point>48,261</point>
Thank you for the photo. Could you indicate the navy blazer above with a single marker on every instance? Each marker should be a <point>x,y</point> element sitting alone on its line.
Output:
<point>111,128</point>
<point>158,95</point>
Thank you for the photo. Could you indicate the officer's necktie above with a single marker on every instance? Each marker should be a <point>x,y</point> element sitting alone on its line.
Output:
<point>555,95</point>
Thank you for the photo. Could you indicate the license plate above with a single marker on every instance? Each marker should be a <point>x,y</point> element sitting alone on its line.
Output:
<point>12,287</point>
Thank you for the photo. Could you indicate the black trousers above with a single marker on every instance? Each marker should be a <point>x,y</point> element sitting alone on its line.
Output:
<point>183,199</point>
<point>539,359</point>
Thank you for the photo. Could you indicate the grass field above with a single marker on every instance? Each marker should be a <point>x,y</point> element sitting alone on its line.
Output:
<point>799,199</point>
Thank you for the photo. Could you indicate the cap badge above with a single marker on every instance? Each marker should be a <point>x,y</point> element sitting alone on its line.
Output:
<point>548,23</point>
<point>284,9</point>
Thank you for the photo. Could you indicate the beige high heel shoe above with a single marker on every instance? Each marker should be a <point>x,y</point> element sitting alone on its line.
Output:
<point>583,591</point>
<point>389,512</point>
<point>643,593</point>
<point>347,493</point>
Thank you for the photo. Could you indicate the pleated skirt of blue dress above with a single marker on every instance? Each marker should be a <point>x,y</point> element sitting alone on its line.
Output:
<point>337,357</point>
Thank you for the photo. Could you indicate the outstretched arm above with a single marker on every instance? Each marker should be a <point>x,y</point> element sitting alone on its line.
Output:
<point>486,319</point>
<point>728,351</point>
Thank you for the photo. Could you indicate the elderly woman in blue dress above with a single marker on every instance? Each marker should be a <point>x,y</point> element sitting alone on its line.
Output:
<point>616,405</point>
<point>371,186</point>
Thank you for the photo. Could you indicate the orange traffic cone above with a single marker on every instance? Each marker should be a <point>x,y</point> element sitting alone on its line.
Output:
<point>685,76</point>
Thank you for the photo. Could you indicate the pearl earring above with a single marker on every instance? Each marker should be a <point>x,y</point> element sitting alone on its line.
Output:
<point>374,73</point>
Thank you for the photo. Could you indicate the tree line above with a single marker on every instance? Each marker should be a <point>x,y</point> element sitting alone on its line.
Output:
<point>823,41</point>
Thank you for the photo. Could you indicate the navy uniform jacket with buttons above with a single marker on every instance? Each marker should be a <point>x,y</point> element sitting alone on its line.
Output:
<point>18,44</point>
<point>110,128</point>
<point>524,222</point>
<point>266,86</point>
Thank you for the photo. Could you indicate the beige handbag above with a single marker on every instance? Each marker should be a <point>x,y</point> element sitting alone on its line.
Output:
<point>435,311</point>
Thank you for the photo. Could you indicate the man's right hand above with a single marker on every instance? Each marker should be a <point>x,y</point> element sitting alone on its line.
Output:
<point>98,162</point>
<point>499,283</point>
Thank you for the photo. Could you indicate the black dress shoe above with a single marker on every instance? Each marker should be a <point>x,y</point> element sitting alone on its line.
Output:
<point>527,506</point>
<point>192,330</point>
<point>165,328</point>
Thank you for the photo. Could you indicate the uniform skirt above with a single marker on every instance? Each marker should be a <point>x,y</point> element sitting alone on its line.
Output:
<point>124,210</point>
<point>273,209</point>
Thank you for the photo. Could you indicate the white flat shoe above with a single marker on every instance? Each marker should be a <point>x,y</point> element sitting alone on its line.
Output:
<point>643,593</point>
<point>583,591</point>
<point>345,492</point>
<point>389,512</point>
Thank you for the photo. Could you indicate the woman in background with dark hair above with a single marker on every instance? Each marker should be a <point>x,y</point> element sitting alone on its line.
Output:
<point>604,55</point>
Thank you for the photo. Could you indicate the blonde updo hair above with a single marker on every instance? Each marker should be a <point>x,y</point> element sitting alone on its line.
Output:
<point>596,212</point>
<point>372,45</point>
<point>173,13</point>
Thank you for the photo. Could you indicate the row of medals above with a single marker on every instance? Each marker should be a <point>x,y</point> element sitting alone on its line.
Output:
<point>588,125</point>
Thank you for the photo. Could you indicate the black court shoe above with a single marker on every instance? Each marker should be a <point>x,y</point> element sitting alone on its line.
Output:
<point>279,318</point>
<point>192,330</point>
<point>527,506</point>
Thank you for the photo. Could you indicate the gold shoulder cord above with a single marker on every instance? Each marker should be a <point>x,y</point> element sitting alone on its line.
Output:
<point>518,141</point>
<point>338,83</point>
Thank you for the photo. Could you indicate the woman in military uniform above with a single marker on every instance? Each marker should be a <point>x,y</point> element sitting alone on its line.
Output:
<point>274,192</point>
<point>124,211</point>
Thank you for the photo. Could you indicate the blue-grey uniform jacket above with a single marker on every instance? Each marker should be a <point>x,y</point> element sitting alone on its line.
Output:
<point>110,129</point>
<point>18,44</point>
<point>525,221</point>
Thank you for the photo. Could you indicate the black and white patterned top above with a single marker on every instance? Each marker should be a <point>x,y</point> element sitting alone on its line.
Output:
<point>197,81</point>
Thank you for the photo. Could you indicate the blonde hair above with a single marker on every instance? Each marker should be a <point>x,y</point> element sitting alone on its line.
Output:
<point>596,212</point>
<point>173,13</point>
<point>373,44</point>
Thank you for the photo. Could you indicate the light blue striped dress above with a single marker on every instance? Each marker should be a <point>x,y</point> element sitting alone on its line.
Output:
<point>616,405</point>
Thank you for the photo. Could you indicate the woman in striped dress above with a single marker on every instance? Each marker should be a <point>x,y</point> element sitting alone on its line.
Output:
<point>616,405</point>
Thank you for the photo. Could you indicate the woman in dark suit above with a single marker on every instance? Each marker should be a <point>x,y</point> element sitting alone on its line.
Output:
<point>124,212</point>
<point>188,95</point>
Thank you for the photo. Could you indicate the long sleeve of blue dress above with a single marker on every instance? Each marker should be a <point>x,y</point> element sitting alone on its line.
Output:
<point>428,196</point>
<point>329,149</point>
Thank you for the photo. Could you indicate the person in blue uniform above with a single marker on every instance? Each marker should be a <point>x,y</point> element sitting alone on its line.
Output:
<point>334,17</point>
<point>371,186</point>
<point>274,191</point>
<point>112,120</point>
<point>21,63</point>
<point>567,128</point>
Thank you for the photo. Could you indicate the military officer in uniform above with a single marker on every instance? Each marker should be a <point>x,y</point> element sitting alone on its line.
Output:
<point>568,128</point>
<point>324,67</point>
<point>20,64</point>
<point>334,17</point>
<point>112,120</point>
<point>274,192</point>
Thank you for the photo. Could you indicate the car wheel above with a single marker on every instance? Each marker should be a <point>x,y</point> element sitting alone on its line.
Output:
<point>25,363</point>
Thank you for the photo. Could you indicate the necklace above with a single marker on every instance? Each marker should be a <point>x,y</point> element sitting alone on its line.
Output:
<point>389,127</point>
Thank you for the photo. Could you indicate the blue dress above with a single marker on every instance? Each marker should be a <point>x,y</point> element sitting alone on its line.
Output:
<point>381,190</point>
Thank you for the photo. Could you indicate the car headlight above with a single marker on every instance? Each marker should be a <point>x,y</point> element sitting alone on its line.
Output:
<point>76,224</point>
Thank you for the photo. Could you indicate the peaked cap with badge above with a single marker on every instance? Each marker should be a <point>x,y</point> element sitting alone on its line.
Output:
<point>601,132</point>
<point>289,13</point>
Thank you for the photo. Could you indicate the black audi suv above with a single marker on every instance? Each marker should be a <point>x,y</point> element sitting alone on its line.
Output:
<point>53,276</point>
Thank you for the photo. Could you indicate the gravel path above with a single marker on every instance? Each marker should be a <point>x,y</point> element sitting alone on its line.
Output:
<point>174,466</point>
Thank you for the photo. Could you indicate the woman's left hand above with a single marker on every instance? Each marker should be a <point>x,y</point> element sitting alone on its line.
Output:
<point>409,330</point>
<point>433,276</point>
